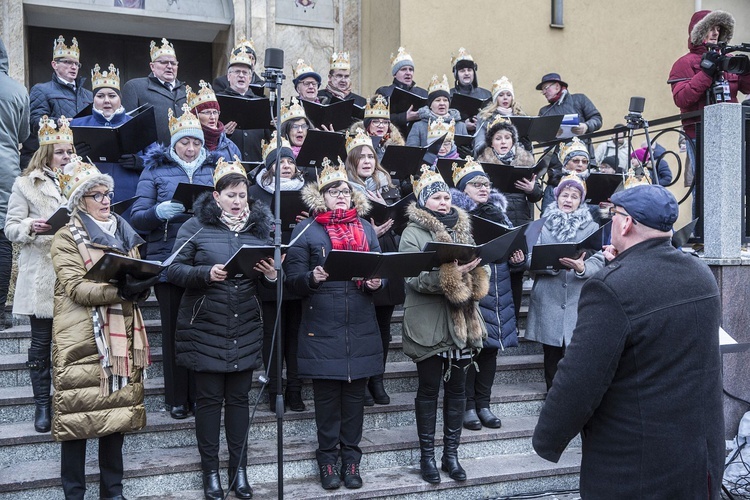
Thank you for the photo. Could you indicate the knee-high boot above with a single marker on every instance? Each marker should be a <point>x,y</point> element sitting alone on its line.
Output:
<point>39,372</point>
<point>453,418</point>
<point>426,412</point>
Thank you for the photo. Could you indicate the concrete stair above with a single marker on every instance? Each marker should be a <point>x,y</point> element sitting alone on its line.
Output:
<point>162,460</point>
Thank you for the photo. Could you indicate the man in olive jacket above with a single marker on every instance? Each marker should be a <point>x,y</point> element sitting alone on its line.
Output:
<point>641,379</point>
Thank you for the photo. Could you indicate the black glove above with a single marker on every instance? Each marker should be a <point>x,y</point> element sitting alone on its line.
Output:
<point>83,149</point>
<point>133,287</point>
<point>131,162</point>
<point>710,63</point>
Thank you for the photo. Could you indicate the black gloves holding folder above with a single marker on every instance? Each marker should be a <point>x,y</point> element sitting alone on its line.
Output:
<point>132,289</point>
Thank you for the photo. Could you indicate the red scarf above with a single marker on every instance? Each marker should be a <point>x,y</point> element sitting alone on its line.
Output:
<point>213,135</point>
<point>556,97</point>
<point>345,229</point>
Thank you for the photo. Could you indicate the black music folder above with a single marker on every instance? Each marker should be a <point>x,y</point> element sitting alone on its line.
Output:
<point>258,90</point>
<point>496,250</point>
<point>396,211</point>
<point>600,187</point>
<point>484,230</point>
<point>504,177</point>
<point>466,105</point>
<point>121,206</point>
<point>358,112</point>
<point>291,206</point>
<point>445,167</point>
<point>682,235</point>
<point>320,144</point>
<point>467,140</point>
<point>108,144</point>
<point>86,111</point>
<point>57,220</point>
<point>537,128</point>
<point>403,161</point>
<point>402,99</point>
<point>346,265</point>
<point>254,113</point>
<point>241,264</point>
<point>338,114</point>
<point>546,257</point>
<point>187,193</point>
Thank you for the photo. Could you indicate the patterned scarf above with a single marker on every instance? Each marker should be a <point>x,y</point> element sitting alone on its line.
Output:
<point>235,223</point>
<point>507,158</point>
<point>345,229</point>
<point>110,332</point>
<point>341,94</point>
<point>213,136</point>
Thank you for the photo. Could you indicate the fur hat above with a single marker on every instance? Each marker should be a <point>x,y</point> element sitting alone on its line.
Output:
<point>500,123</point>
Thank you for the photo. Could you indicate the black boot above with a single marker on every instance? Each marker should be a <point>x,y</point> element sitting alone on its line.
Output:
<point>41,379</point>
<point>294,401</point>
<point>240,486</point>
<point>212,485</point>
<point>426,412</point>
<point>376,388</point>
<point>369,401</point>
<point>453,419</point>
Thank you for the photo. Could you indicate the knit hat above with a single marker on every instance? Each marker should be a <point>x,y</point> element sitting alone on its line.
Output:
<point>611,161</point>
<point>187,125</point>
<point>651,205</point>
<point>204,99</point>
<point>571,180</point>
<point>428,183</point>
<point>463,174</point>
<point>270,151</point>
<point>401,59</point>
<point>106,79</point>
<point>500,123</point>
<point>437,89</point>
<point>641,154</point>
<point>572,149</point>
<point>78,177</point>
<point>241,53</point>
<point>303,70</point>
<point>502,84</point>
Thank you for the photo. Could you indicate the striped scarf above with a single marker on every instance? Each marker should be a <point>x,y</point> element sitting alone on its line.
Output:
<point>344,229</point>
<point>110,332</point>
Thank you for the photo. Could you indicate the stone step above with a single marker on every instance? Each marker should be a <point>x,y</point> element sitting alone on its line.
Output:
<point>175,469</point>
<point>19,441</point>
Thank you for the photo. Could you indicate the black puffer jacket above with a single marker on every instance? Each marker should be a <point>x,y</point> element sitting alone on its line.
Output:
<point>220,324</point>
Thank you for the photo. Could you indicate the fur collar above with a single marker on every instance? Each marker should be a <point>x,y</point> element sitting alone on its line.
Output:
<point>461,200</point>
<point>426,115</point>
<point>422,218</point>
<point>564,226</point>
<point>314,200</point>
<point>259,222</point>
<point>158,156</point>
<point>40,190</point>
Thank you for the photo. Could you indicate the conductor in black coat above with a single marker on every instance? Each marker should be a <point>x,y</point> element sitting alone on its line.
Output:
<point>641,380</point>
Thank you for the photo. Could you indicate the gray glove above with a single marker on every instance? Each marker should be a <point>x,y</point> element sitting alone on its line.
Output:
<point>168,209</point>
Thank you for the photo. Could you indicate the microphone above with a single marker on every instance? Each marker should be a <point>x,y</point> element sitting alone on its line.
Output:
<point>274,59</point>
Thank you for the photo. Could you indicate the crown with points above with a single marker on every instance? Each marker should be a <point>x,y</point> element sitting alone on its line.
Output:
<point>49,133</point>
<point>436,84</point>
<point>301,68</point>
<point>463,55</point>
<point>224,167</point>
<point>293,111</point>
<point>360,139</point>
<point>205,94</point>
<point>460,171</point>
<point>439,127</point>
<point>60,50</point>
<point>187,120</point>
<point>331,174</point>
<point>270,146</point>
<point>572,146</point>
<point>166,49</point>
<point>499,119</point>
<point>573,178</point>
<point>109,79</point>
<point>428,176</point>
<point>502,84</point>
<point>243,53</point>
<point>637,176</point>
<point>377,108</point>
<point>401,55</point>
<point>75,173</point>
<point>340,60</point>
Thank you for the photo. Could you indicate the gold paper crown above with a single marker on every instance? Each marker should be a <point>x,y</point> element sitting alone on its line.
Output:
<point>573,145</point>
<point>400,56</point>
<point>439,127</point>
<point>50,134</point>
<point>636,178</point>
<point>205,94</point>
<point>502,84</point>
<point>224,167</point>
<point>427,177</point>
<point>243,53</point>
<point>463,55</point>
<point>379,109</point>
<point>436,85</point>
<point>331,174</point>
<point>187,121</point>
<point>360,139</point>
<point>499,119</point>
<point>166,49</point>
<point>301,68</point>
<point>76,173</point>
<point>60,50</point>
<point>109,79</point>
<point>575,178</point>
<point>460,171</point>
<point>270,146</point>
<point>340,60</point>
<point>293,111</point>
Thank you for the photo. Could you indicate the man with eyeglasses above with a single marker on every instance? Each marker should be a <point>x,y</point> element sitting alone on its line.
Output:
<point>340,81</point>
<point>160,88</point>
<point>63,95</point>
<point>562,102</point>
<point>307,82</point>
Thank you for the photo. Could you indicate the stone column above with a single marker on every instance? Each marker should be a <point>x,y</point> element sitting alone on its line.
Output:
<point>11,29</point>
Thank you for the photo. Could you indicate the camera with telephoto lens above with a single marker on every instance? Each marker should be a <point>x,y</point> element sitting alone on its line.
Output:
<point>737,64</point>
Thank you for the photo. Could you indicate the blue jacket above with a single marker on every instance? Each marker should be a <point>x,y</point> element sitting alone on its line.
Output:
<point>158,182</point>
<point>227,149</point>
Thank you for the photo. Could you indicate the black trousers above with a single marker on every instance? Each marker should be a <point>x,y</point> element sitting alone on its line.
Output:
<point>383,315</point>
<point>41,338</point>
<point>479,385</point>
<point>213,390</point>
<point>430,372</point>
<point>552,356</point>
<point>6,265</point>
<point>339,415</point>
<point>516,289</point>
<point>291,315</point>
<point>73,467</point>
<point>179,385</point>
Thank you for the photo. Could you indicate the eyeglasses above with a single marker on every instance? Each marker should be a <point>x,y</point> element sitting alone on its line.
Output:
<point>98,197</point>
<point>168,63</point>
<point>613,211</point>
<point>380,123</point>
<point>209,112</point>
<point>300,126</point>
<point>240,72</point>
<point>579,161</point>
<point>68,62</point>
<point>311,83</point>
<point>338,76</point>
<point>545,87</point>
<point>479,185</point>
<point>335,193</point>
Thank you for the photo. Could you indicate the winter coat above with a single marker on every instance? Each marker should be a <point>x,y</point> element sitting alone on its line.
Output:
<point>339,337</point>
<point>158,182</point>
<point>79,411</point>
<point>497,306</point>
<point>569,104</point>
<point>553,309</point>
<point>441,310</point>
<point>219,324</point>
<point>149,90</point>
<point>34,196</point>
<point>418,134</point>
<point>472,91</point>
<point>399,119</point>
<point>641,380</point>
<point>248,141</point>
<point>226,149</point>
<point>520,209</point>
<point>221,83</point>
<point>689,82</point>
<point>14,129</point>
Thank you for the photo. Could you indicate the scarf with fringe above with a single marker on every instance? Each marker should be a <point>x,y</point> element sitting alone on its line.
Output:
<point>345,229</point>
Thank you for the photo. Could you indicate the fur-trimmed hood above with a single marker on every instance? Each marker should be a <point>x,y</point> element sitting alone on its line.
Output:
<point>315,202</point>
<point>259,222</point>
<point>461,200</point>
<point>461,231</point>
<point>702,21</point>
<point>158,155</point>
